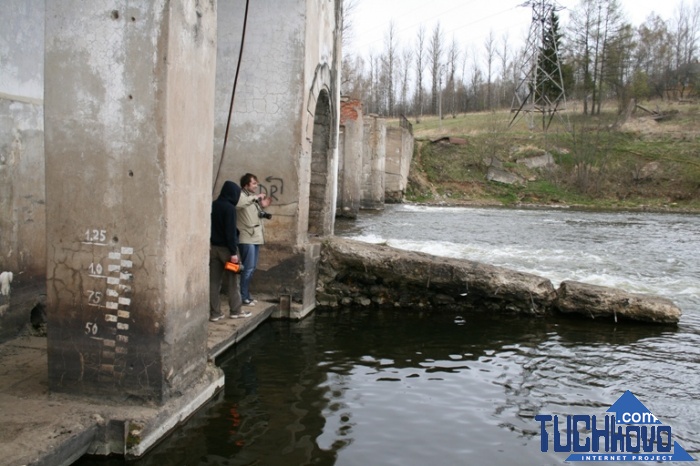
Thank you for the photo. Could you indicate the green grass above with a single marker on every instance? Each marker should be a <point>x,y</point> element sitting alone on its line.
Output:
<point>598,163</point>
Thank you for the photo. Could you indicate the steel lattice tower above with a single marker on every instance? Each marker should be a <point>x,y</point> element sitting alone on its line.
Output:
<point>540,91</point>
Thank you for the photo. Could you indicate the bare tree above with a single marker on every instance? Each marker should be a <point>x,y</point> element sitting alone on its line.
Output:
<point>420,67</point>
<point>390,59</point>
<point>346,28</point>
<point>686,24</point>
<point>583,23</point>
<point>407,58</point>
<point>452,57</point>
<point>463,91</point>
<point>373,92</point>
<point>353,83</point>
<point>652,58</point>
<point>503,55</point>
<point>490,49</point>
<point>435,58</point>
<point>350,73</point>
<point>477,80</point>
<point>595,25</point>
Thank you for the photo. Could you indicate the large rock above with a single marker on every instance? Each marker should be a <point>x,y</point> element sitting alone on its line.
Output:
<point>351,271</point>
<point>600,301</point>
<point>503,176</point>
<point>356,273</point>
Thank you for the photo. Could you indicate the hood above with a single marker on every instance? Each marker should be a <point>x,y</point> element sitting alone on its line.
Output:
<point>230,192</point>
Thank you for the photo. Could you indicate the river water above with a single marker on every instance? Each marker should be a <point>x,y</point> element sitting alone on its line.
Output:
<point>362,387</point>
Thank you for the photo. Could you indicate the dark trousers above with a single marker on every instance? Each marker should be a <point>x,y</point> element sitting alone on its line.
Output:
<point>218,256</point>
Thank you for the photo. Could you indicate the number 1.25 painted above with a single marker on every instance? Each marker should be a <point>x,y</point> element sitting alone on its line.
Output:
<point>95,235</point>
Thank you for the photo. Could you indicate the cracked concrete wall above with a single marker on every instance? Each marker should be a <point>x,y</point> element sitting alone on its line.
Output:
<point>373,163</point>
<point>129,117</point>
<point>22,199</point>
<point>292,56</point>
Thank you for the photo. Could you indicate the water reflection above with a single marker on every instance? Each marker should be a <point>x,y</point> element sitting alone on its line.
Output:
<point>363,387</point>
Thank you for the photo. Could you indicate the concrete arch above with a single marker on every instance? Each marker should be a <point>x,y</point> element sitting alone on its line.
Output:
<point>322,190</point>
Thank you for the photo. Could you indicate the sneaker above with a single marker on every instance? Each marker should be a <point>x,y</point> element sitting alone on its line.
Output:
<point>215,317</point>
<point>250,302</point>
<point>241,315</point>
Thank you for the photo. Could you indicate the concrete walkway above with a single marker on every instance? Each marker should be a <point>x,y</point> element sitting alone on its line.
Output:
<point>42,428</point>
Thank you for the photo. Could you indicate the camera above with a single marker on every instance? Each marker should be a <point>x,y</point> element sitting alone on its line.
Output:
<point>262,213</point>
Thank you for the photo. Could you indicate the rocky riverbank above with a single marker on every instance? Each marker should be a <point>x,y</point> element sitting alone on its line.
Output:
<point>361,274</point>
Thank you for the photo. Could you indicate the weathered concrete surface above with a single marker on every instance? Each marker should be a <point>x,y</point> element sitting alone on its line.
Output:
<point>42,428</point>
<point>355,273</point>
<point>129,101</point>
<point>399,153</point>
<point>22,199</point>
<point>352,272</point>
<point>373,163</point>
<point>599,301</point>
<point>350,158</point>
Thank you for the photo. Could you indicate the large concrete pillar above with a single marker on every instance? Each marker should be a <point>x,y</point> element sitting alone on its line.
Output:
<point>373,163</point>
<point>350,158</point>
<point>399,153</point>
<point>129,90</point>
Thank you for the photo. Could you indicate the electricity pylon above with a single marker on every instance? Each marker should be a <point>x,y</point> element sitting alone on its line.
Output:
<point>540,91</point>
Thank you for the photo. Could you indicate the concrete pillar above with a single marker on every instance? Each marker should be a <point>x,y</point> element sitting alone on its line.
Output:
<point>129,98</point>
<point>350,158</point>
<point>399,152</point>
<point>373,163</point>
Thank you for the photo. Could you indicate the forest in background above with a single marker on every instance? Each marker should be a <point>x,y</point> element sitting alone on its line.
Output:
<point>602,59</point>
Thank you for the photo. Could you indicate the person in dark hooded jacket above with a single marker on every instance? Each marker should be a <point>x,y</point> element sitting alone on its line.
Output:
<point>224,248</point>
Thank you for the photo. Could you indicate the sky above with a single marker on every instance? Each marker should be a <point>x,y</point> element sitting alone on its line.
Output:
<point>468,21</point>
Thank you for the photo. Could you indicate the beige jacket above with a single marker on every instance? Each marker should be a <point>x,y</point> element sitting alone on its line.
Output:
<point>250,226</point>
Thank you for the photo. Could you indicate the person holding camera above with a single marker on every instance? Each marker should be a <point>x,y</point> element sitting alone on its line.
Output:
<point>251,213</point>
<point>224,248</point>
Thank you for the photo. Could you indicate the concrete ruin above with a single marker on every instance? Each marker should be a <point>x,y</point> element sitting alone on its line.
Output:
<point>111,150</point>
<point>354,273</point>
<point>399,153</point>
<point>373,160</point>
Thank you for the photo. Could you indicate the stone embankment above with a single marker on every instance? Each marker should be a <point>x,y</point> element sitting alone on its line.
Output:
<point>356,273</point>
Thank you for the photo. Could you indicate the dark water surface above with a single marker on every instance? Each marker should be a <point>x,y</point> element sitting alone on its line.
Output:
<point>363,387</point>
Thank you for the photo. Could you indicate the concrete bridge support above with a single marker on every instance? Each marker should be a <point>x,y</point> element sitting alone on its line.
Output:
<point>399,153</point>
<point>350,158</point>
<point>373,164</point>
<point>113,129</point>
<point>129,100</point>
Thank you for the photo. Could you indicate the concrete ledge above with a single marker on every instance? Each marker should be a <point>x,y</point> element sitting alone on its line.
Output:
<point>42,428</point>
<point>356,273</point>
<point>143,433</point>
<point>227,332</point>
<point>600,301</point>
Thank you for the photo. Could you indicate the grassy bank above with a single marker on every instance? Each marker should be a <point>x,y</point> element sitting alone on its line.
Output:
<point>601,162</point>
